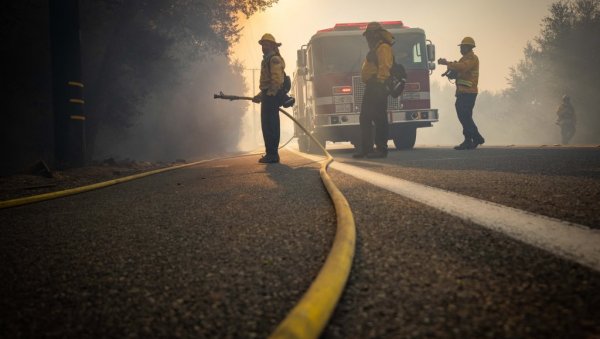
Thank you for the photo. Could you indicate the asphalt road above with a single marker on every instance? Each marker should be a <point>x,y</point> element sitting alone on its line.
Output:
<point>560,182</point>
<point>226,248</point>
<point>223,249</point>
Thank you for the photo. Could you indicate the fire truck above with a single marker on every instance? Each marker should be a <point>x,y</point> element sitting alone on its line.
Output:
<point>329,91</point>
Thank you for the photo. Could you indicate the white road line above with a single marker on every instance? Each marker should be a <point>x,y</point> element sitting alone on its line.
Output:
<point>571,241</point>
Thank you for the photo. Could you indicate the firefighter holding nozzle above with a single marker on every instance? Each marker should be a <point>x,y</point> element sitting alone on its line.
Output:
<point>566,119</point>
<point>374,73</point>
<point>466,73</point>
<point>273,93</point>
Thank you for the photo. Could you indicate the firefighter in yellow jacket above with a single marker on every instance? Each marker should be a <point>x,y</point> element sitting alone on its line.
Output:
<point>271,82</point>
<point>467,69</point>
<point>374,73</point>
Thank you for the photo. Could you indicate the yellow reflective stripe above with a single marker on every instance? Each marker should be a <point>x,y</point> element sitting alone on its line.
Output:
<point>75,83</point>
<point>464,83</point>
<point>77,117</point>
<point>76,101</point>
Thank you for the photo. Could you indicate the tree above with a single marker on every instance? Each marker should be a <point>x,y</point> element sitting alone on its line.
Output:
<point>138,50</point>
<point>138,55</point>
<point>562,60</point>
<point>26,133</point>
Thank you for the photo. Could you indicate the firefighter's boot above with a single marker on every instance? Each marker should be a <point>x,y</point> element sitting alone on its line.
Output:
<point>378,154</point>
<point>269,159</point>
<point>478,140</point>
<point>467,144</point>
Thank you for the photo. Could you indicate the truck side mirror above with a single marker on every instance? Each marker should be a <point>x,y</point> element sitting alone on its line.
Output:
<point>301,58</point>
<point>431,66</point>
<point>430,51</point>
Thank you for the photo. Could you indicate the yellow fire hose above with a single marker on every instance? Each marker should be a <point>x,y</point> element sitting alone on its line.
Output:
<point>76,190</point>
<point>311,314</point>
<point>59,194</point>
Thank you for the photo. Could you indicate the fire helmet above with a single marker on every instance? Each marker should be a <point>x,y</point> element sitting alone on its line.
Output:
<point>468,41</point>
<point>373,26</point>
<point>268,37</point>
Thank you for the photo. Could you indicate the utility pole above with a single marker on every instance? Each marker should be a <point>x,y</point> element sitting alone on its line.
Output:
<point>67,85</point>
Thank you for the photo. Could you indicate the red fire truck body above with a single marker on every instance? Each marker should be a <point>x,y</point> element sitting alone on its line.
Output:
<point>329,91</point>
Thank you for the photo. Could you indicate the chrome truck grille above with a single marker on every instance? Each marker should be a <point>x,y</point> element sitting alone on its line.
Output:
<point>358,88</point>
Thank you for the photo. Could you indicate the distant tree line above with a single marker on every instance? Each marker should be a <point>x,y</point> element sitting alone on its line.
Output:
<point>138,55</point>
<point>562,60</point>
<point>145,51</point>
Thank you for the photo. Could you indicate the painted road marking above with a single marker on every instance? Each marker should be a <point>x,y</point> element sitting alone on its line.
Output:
<point>571,241</point>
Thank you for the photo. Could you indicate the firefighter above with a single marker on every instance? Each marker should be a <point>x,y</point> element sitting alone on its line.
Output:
<point>374,73</point>
<point>467,69</point>
<point>270,96</point>
<point>566,119</point>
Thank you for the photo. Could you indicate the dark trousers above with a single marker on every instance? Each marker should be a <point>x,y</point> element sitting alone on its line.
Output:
<point>464,108</point>
<point>269,121</point>
<point>567,131</point>
<point>374,110</point>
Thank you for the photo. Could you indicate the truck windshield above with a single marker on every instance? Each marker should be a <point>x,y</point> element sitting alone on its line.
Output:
<point>344,54</point>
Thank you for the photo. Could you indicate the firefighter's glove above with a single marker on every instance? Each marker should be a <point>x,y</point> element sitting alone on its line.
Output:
<point>257,98</point>
<point>442,61</point>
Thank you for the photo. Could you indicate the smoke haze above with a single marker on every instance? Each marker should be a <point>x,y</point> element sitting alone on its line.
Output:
<point>502,31</point>
<point>498,121</point>
<point>181,120</point>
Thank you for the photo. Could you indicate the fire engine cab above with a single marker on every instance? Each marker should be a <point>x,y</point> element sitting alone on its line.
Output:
<point>329,91</point>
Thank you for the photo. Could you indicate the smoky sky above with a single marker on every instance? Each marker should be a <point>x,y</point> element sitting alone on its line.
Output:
<point>501,30</point>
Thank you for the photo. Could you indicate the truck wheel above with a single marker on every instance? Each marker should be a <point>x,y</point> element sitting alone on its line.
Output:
<point>406,139</point>
<point>303,143</point>
<point>313,147</point>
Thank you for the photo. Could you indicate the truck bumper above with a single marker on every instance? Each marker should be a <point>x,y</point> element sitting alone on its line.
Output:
<point>345,127</point>
<point>394,117</point>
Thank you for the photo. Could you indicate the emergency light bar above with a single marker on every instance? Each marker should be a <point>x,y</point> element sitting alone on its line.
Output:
<point>351,26</point>
<point>338,90</point>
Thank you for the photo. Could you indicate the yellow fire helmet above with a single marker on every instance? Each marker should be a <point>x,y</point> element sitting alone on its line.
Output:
<point>373,26</point>
<point>270,38</point>
<point>468,41</point>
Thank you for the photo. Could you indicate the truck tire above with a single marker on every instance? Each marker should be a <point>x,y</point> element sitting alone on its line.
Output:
<point>313,147</point>
<point>406,139</point>
<point>303,143</point>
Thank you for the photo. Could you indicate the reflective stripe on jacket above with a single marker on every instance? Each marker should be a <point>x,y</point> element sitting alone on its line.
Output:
<point>271,73</point>
<point>381,68</point>
<point>468,73</point>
